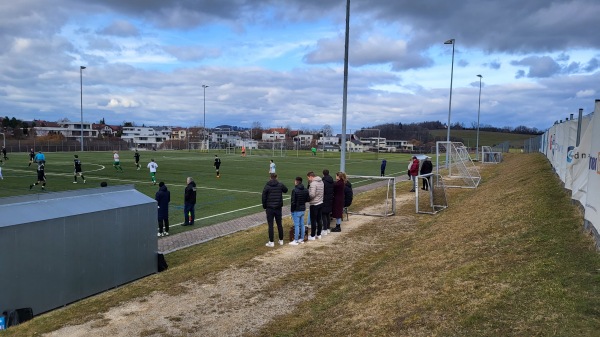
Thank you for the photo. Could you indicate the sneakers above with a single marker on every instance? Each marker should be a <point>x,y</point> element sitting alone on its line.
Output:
<point>319,237</point>
<point>328,231</point>
<point>324,232</point>
<point>159,235</point>
<point>84,181</point>
<point>311,238</point>
<point>293,243</point>
<point>281,242</point>
<point>74,182</point>
<point>337,229</point>
<point>270,244</point>
<point>165,233</point>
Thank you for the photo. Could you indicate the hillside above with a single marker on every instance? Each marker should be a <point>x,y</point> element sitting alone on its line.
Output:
<point>486,138</point>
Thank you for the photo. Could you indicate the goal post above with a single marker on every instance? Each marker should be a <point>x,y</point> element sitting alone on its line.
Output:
<point>456,166</point>
<point>382,190</point>
<point>433,199</point>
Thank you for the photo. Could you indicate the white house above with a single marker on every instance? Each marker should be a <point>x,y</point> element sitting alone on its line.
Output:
<point>400,144</point>
<point>146,136</point>
<point>70,130</point>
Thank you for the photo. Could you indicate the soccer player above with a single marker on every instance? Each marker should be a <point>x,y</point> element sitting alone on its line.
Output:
<point>272,167</point>
<point>31,156</point>
<point>217,164</point>
<point>117,162</point>
<point>4,153</point>
<point>152,166</point>
<point>41,176</point>
<point>136,155</point>
<point>77,172</point>
<point>39,158</point>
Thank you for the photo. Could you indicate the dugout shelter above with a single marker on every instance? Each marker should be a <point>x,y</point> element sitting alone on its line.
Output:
<point>57,248</point>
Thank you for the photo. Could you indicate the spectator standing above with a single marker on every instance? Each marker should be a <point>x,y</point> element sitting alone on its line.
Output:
<point>327,201</point>
<point>272,202</point>
<point>383,165</point>
<point>78,171</point>
<point>414,172</point>
<point>298,207</point>
<point>4,153</point>
<point>337,210</point>
<point>315,193</point>
<point>426,168</point>
<point>152,165</point>
<point>189,202</point>
<point>217,165</point>
<point>163,197</point>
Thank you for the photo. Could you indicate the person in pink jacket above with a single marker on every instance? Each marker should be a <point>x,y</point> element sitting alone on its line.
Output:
<point>315,200</point>
<point>414,172</point>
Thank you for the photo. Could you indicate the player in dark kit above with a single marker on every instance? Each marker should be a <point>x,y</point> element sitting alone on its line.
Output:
<point>136,155</point>
<point>77,171</point>
<point>4,153</point>
<point>31,156</point>
<point>41,176</point>
<point>217,164</point>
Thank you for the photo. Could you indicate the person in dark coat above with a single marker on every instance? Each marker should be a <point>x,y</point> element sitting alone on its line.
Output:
<point>298,207</point>
<point>272,202</point>
<point>426,168</point>
<point>327,201</point>
<point>189,202</point>
<point>163,197</point>
<point>337,210</point>
<point>383,165</point>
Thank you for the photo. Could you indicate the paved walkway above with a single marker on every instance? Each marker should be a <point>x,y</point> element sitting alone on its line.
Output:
<point>192,237</point>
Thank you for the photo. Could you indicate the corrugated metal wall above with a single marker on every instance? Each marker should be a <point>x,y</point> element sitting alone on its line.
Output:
<point>57,248</point>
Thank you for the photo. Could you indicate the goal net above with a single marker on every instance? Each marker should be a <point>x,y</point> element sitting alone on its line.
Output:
<point>380,191</point>
<point>455,165</point>
<point>489,156</point>
<point>433,199</point>
<point>267,149</point>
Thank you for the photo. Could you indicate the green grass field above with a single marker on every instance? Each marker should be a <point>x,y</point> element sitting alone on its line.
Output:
<point>236,193</point>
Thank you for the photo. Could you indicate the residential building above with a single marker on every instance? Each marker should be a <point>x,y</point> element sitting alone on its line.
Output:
<point>146,137</point>
<point>70,130</point>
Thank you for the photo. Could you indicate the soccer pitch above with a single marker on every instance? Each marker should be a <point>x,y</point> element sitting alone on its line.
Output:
<point>236,193</point>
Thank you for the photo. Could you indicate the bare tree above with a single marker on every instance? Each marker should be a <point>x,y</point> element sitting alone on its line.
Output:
<point>327,130</point>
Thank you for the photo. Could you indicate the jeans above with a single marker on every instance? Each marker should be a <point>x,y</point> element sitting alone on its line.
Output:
<point>298,218</point>
<point>274,213</point>
<point>316,222</point>
<point>187,209</point>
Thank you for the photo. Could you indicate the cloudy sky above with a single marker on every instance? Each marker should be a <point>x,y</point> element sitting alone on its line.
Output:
<point>280,62</point>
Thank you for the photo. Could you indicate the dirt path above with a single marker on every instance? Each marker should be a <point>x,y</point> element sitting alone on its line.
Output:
<point>242,299</point>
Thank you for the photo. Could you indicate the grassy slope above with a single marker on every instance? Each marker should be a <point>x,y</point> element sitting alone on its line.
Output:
<point>506,259</point>
<point>486,138</point>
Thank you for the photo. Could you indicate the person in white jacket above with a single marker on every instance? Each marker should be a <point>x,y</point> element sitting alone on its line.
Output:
<point>315,197</point>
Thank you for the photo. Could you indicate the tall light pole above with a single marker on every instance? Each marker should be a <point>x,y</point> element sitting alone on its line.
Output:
<point>204,86</point>
<point>81,99</point>
<point>452,42</point>
<point>478,113</point>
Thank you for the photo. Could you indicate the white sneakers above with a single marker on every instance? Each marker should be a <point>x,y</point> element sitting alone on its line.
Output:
<point>319,237</point>
<point>294,243</point>
<point>311,238</point>
<point>270,244</point>
<point>281,242</point>
<point>163,234</point>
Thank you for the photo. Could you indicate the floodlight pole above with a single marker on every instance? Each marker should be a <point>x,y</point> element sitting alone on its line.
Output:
<point>478,113</point>
<point>452,42</point>
<point>345,91</point>
<point>204,86</point>
<point>81,100</point>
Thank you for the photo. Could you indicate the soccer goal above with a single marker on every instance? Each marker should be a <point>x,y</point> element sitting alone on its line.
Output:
<point>489,156</point>
<point>456,166</point>
<point>433,199</point>
<point>382,192</point>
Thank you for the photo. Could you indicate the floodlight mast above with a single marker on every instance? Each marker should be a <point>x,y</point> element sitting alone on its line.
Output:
<point>345,94</point>
<point>452,42</point>
<point>478,113</point>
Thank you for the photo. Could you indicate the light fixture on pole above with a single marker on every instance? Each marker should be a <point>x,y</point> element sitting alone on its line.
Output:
<point>452,42</point>
<point>478,112</point>
<point>204,86</point>
<point>81,99</point>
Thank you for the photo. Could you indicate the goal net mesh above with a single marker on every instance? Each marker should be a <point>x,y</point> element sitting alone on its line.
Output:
<point>380,191</point>
<point>489,156</point>
<point>433,199</point>
<point>456,166</point>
